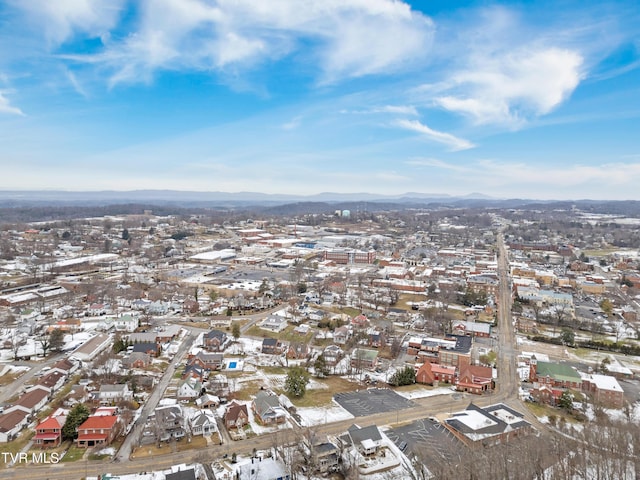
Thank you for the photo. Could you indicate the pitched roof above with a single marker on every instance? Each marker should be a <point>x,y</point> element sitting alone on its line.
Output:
<point>558,371</point>
<point>9,420</point>
<point>32,398</point>
<point>51,423</point>
<point>234,409</point>
<point>99,422</point>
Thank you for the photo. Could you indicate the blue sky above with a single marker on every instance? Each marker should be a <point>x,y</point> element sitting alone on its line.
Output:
<point>536,99</point>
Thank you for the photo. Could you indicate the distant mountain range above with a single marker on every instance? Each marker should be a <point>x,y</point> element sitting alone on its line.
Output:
<point>55,197</point>
<point>43,204</point>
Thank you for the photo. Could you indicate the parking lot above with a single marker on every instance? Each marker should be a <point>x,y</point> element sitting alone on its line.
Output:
<point>428,440</point>
<point>372,401</point>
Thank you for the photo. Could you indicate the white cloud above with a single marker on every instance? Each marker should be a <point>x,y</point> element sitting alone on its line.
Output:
<point>6,107</point>
<point>434,162</point>
<point>408,110</point>
<point>451,141</point>
<point>61,19</point>
<point>344,38</point>
<point>510,88</point>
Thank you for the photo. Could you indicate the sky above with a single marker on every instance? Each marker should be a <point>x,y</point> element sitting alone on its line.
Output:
<point>532,99</point>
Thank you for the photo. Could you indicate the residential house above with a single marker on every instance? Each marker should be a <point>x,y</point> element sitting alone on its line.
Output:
<point>97,430</point>
<point>268,409</point>
<point>170,422</point>
<point>236,415</point>
<point>365,440</point>
<point>332,355</point>
<point>341,335</point>
<point>473,329</point>
<point>32,401</point>
<point>11,422</point>
<point>137,360</point>
<point>274,323</point>
<point>190,306</point>
<point>207,401</point>
<point>360,322</point>
<point>215,341</point>
<point>298,351</point>
<point>203,423</point>
<point>109,394</point>
<point>271,346</point>
<point>189,389</point>
<point>545,394</point>
<point>364,359</point>
<point>263,469</point>
<point>150,348</point>
<point>194,371</point>
<point>65,366</point>
<point>432,373</point>
<point>475,379</point>
<point>126,323</point>
<point>49,431</point>
<point>208,361</point>
<point>52,381</point>
<point>326,457</point>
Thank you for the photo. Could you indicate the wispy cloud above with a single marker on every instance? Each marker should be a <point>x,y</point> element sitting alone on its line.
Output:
<point>408,110</point>
<point>61,19</point>
<point>434,162</point>
<point>73,80</point>
<point>348,38</point>
<point>451,141</point>
<point>6,107</point>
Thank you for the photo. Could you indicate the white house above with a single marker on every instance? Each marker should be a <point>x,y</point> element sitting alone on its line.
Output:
<point>114,393</point>
<point>189,389</point>
<point>203,423</point>
<point>274,323</point>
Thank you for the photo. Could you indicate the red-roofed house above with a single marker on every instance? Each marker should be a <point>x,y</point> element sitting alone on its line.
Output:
<point>49,432</point>
<point>97,430</point>
<point>360,322</point>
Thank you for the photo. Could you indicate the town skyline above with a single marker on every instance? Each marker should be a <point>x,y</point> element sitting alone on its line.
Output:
<point>510,100</point>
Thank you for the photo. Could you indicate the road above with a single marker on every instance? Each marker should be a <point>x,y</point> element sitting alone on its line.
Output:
<point>34,368</point>
<point>424,407</point>
<point>507,353</point>
<point>150,405</point>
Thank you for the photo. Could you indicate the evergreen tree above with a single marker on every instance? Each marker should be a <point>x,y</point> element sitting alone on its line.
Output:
<point>296,382</point>
<point>77,415</point>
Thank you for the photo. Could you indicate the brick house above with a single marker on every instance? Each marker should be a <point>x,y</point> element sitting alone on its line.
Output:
<point>215,341</point>
<point>236,415</point>
<point>97,430</point>
<point>271,346</point>
<point>49,432</point>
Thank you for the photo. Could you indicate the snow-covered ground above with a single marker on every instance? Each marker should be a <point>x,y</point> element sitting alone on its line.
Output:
<point>321,415</point>
<point>424,392</point>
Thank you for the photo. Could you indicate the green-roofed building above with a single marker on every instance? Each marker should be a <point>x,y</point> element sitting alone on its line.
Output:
<point>555,374</point>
